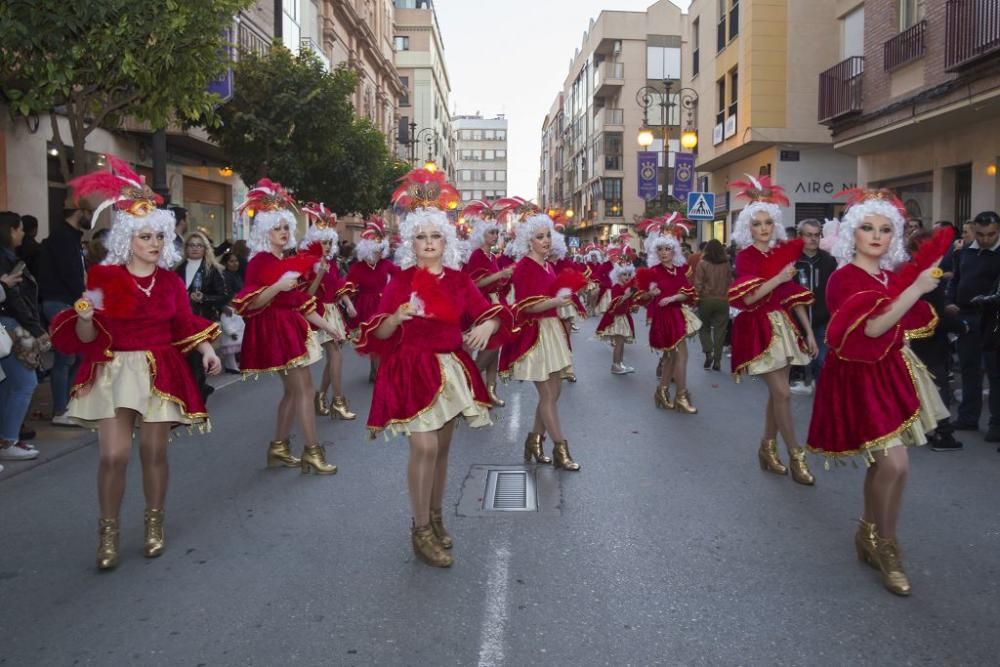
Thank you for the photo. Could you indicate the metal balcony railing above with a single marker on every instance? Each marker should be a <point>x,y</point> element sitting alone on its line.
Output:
<point>250,39</point>
<point>840,89</point>
<point>608,116</point>
<point>972,30</point>
<point>307,44</point>
<point>905,47</point>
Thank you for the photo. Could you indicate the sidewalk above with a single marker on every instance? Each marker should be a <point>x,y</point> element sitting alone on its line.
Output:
<point>53,442</point>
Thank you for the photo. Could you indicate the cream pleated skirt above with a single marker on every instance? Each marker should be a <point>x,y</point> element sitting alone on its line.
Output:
<point>550,354</point>
<point>692,323</point>
<point>331,313</point>
<point>454,398</point>
<point>604,303</point>
<point>619,327</point>
<point>783,350</point>
<point>567,312</point>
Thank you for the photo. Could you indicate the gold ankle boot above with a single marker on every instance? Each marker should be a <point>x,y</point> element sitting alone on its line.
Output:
<point>661,398</point>
<point>440,532</point>
<point>314,460</point>
<point>155,537</point>
<point>683,403</point>
<point>491,389</point>
<point>533,449</point>
<point>278,454</point>
<point>800,470</point>
<point>107,546</point>
<point>767,455</point>
<point>339,409</point>
<point>427,548</point>
<point>890,563</point>
<point>866,543</point>
<point>319,401</point>
<point>561,457</point>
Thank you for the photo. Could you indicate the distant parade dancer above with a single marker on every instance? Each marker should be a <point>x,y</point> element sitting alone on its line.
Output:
<point>540,351</point>
<point>874,397</point>
<point>616,326</point>
<point>132,330</point>
<point>765,341</point>
<point>671,318</point>
<point>331,292</point>
<point>278,312</point>
<point>560,261</point>
<point>369,276</point>
<point>430,312</point>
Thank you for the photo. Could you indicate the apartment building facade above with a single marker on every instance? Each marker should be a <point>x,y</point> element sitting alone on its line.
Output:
<point>754,66</point>
<point>480,156</point>
<point>914,95</point>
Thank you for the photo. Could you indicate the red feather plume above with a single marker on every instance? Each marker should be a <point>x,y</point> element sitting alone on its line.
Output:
<point>644,278</point>
<point>760,188</point>
<point>929,252</point>
<point>438,304</point>
<point>303,264</point>
<point>119,293</point>
<point>781,256</point>
<point>857,195</point>
<point>569,279</point>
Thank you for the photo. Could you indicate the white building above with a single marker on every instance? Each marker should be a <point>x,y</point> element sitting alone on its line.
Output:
<point>480,156</point>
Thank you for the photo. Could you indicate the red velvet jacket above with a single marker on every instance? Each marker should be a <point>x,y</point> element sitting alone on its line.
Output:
<point>533,284</point>
<point>622,304</point>
<point>667,325</point>
<point>369,283</point>
<point>482,265</point>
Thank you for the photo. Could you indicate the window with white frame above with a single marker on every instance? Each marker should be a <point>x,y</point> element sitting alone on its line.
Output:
<point>911,12</point>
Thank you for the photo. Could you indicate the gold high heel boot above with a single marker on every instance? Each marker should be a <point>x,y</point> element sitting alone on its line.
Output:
<point>866,543</point>
<point>107,546</point>
<point>799,468</point>
<point>683,403</point>
<point>314,460</point>
<point>767,455</point>
<point>278,454</point>
<point>427,548</point>
<point>155,537</point>
<point>339,409</point>
<point>662,398</point>
<point>491,389</point>
<point>561,457</point>
<point>890,563</point>
<point>319,401</point>
<point>440,532</point>
<point>533,449</point>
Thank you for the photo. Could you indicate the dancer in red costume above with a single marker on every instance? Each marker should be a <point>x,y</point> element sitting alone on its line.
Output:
<point>541,350</point>
<point>593,259</point>
<point>132,330</point>
<point>369,276</point>
<point>278,312</point>
<point>602,274</point>
<point>331,291</point>
<point>484,269</point>
<point>426,379</point>
<point>616,326</point>
<point>765,342</point>
<point>560,261</point>
<point>873,312</point>
<point>671,318</point>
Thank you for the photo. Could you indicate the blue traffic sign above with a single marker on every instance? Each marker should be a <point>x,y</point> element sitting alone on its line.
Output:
<point>701,206</point>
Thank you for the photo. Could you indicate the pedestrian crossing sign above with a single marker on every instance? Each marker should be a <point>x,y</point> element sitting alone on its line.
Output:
<point>701,206</point>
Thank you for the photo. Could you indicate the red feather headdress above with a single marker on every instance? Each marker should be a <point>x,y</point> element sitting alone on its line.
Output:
<point>422,188</point>
<point>319,215</point>
<point>760,189</point>
<point>855,196</point>
<point>519,208</point>
<point>483,209</point>
<point>266,196</point>
<point>119,187</point>
<point>374,229</point>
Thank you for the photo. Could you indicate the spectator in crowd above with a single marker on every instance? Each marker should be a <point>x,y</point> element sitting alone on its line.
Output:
<point>815,266</point>
<point>30,248</point>
<point>242,252</point>
<point>686,249</point>
<point>935,352</point>
<point>206,289</point>
<point>231,273</point>
<point>20,317</point>
<point>695,257</point>
<point>96,250</point>
<point>913,225</point>
<point>712,278</point>
<point>61,283</point>
<point>346,256</point>
<point>968,235</point>
<point>180,227</point>
<point>10,281</point>
<point>976,268</point>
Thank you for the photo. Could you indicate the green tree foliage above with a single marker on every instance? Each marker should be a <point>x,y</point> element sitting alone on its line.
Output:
<point>100,61</point>
<point>292,121</point>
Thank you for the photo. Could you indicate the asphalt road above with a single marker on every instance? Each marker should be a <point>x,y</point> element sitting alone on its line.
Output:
<point>669,547</point>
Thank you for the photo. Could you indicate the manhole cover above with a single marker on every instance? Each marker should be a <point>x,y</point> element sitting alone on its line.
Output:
<point>510,491</point>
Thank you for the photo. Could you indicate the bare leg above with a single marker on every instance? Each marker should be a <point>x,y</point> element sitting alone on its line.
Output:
<point>891,469</point>
<point>324,383</point>
<point>781,406</point>
<point>420,475</point>
<point>333,373</point>
<point>153,438</point>
<point>114,440</point>
<point>286,408</point>
<point>548,412</point>
<point>302,392</point>
<point>441,464</point>
<point>619,350</point>
<point>679,369</point>
<point>666,369</point>
<point>870,496</point>
<point>486,362</point>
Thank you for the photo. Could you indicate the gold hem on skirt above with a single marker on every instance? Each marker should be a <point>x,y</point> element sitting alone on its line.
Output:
<point>783,350</point>
<point>454,398</point>
<point>331,313</point>
<point>550,354</point>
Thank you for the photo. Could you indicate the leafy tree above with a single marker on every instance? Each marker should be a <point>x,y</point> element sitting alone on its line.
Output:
<point>100,61</point>
<point>292,121</point>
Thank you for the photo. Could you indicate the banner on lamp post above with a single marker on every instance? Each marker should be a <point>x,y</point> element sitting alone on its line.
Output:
<point>683,174</point>
<point>648,167</point>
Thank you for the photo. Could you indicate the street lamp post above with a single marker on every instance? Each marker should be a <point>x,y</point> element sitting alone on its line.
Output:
<point>428,136</point>
<point>645,97</point>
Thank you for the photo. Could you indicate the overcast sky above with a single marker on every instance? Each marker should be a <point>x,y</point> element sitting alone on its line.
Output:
<point>512,58</point>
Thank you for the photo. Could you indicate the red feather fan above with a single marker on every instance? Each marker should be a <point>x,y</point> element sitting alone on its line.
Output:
<point>781,256</point>
<point>644,278</point>
<point>569,279</point>
<point>438,304</point>
<point>119,294</point>
<point>303,264</point>
<point>929,252</point>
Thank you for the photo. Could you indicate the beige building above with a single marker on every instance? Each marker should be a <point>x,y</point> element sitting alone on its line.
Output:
<point>480,156</point>
<point>913,93</point>
<point>423,106</point>
<point>754,65</point>
<point>588,151</point>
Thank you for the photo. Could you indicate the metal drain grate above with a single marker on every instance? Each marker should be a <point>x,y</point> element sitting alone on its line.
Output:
<point>510,491</point>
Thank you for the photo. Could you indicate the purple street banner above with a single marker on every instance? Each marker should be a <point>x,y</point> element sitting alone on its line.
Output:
<point>683,174</point>
<point>648,163</point>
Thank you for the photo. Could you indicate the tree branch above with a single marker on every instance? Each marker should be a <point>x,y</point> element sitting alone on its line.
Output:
<point>60,146</point>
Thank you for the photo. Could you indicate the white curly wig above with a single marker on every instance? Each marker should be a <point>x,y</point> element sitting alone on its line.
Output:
<point>621,270</point>
<point>427,219</point>
<point>527,229</point>
<point>480,228</point>
<point>368,250</point>
<point>263,223</point>
<point>743,237</point>
<point>843,246</point>
<point>559,248</point>
<point>595,256</point>
<point>656,241</point>
<point>124,226</point>
<point>315,234</point>
<point>465,249</point>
